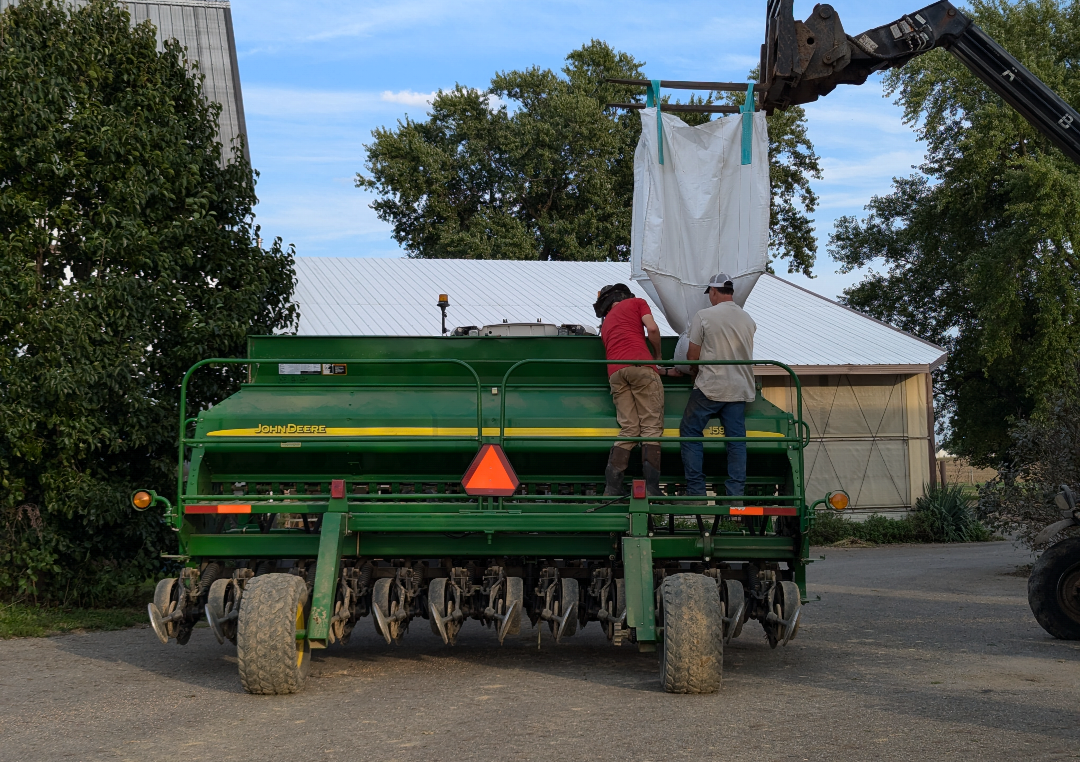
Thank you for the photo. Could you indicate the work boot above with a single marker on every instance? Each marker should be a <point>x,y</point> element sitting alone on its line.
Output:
<point>618,460</point>
<point>650,466</point>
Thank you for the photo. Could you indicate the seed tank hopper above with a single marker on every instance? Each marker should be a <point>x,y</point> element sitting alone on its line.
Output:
<point>329,489</point>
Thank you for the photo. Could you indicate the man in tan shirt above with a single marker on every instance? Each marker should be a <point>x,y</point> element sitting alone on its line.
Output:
<point>723,331</point>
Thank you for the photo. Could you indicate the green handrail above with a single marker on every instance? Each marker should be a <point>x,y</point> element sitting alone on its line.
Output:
<point>184,441</point>
<point>799,422</point>
<point>798,394</point>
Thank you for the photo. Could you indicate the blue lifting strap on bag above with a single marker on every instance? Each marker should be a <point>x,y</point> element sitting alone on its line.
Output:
<point>652,98</point>
<point>747,110</point>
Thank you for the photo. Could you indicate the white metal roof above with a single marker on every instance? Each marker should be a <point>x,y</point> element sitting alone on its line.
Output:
<point>343,296</point>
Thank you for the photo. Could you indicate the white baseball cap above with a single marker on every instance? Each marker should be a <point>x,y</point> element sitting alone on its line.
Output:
<point>720,280</point>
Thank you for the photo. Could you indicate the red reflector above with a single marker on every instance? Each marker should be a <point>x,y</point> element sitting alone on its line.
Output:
<point>781,512</point>
<point>490,474</point>
<point>639,489</point>
<point>226,508</point>
<point>337,489</point>
<point>747,510</point>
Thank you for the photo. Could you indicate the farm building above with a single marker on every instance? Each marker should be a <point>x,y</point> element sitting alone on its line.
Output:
<point>866,385</point>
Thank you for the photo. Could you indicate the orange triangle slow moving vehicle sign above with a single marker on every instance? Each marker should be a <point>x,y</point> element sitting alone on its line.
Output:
<point>490,474</point>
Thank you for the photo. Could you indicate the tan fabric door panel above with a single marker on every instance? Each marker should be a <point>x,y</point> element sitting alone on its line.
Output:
<point>859,406</point>
<point>873,473</point>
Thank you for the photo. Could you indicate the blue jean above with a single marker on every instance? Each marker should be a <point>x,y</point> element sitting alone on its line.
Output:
<point>699,409</point>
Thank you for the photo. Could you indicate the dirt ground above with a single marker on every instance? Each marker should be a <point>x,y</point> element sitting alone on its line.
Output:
<point>911,653</point>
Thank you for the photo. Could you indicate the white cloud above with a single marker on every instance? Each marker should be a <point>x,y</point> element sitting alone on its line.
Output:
<point>289,103</point>
<point>871,169</point>
<point>408,97</point>
<point>322,215</point>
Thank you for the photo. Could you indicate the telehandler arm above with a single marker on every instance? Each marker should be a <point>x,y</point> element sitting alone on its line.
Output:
<point>803,60</point>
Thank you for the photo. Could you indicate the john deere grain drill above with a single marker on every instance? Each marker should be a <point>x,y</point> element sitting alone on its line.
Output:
<point>458,478</point>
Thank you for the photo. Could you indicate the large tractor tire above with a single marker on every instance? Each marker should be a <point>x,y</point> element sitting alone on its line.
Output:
<point>1054,589</point>
<point>273,660</point>
<point>692,656</point>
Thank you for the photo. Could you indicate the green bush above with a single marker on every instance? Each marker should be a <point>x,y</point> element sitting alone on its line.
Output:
<point>831,527</point>
<point>943,514</point>
<point>1044,455</point>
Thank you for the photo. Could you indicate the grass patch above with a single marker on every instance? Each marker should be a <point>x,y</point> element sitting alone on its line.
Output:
<point>942,514</point>
<point>21,620</point>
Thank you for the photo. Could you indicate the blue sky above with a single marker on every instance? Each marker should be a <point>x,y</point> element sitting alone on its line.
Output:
<point>318,76</point>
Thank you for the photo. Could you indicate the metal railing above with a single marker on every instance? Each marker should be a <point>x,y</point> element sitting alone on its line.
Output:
<point>798,442</point>
<point>185,441</point>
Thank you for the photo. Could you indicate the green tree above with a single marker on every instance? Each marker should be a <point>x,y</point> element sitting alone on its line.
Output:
<point>977,251</point>
<point>127,253</point>
<point>553,177</point>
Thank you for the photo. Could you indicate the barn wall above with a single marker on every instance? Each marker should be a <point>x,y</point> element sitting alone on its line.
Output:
<point>868,436</point>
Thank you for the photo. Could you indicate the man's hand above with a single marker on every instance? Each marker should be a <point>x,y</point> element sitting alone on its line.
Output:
<point>654,335</point>
<point>693,352</point>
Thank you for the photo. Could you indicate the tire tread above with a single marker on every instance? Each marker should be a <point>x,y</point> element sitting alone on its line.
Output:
<point>1055,561</point>
<point>265,635</point>
<point>692,656</point>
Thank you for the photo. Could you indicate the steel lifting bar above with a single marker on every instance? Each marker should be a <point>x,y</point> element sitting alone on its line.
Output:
<point>185,442</point>
<point>677,84</point>
<point>680,84</point>
<point>679,107</point>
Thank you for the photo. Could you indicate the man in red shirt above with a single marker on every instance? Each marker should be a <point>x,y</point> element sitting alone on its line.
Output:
<point>636,389</point>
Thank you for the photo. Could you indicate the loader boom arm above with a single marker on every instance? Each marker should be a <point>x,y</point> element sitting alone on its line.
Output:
<point>803,60</point>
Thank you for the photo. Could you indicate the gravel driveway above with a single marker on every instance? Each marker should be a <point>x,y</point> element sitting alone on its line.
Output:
<point>911,653</point>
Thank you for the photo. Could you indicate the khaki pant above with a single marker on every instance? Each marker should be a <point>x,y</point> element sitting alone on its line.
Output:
<point>639,403</point>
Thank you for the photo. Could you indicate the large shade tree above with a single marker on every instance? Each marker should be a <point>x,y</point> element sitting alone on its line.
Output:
<point>127,253</point>
<point>978,250</point>
<point>534,167</point>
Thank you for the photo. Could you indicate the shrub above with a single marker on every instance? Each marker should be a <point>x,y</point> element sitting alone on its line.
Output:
<point>945,514</point>
<point>1045,454</point>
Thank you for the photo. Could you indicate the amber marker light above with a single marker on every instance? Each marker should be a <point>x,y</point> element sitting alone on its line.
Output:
<point>142,500</point>
<point>838,500</point>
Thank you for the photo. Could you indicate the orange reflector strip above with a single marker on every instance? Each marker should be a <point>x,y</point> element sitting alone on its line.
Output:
<point>490,474</point>
<point>759,510</point>
<point>226,508</point>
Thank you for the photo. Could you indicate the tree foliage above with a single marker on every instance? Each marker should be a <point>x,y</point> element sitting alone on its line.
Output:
<point>978,250</point>
<point>127,253</point>
<point>534,167</point>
